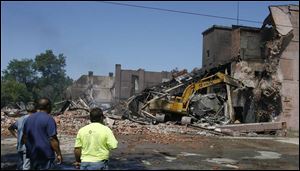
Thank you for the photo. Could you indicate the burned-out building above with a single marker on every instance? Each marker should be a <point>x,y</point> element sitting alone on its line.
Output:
<point>93,88</point>
<point>109,89</point>
<point>222,43</point>
<point>265,59</point>
<point>130,82</point>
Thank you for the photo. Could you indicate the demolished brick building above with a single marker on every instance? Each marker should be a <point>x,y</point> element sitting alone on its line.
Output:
<point>92,88</point>
<point>265,59</point>
<point>131,82</point>
<point>110,89</point>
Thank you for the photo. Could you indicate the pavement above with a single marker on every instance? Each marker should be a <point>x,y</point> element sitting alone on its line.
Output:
<point>184,152</point>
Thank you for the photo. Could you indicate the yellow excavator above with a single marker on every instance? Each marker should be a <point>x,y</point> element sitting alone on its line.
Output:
<point>180,104</point>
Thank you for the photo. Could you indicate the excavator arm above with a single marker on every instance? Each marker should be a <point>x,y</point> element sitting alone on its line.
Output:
<point>204,83</point>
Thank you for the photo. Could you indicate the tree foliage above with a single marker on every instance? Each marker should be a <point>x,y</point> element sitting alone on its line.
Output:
<point>28,79</point>
<point>20,71</point>
<point>49,65</point>
<point>53,81</point>
<point>13,91</point>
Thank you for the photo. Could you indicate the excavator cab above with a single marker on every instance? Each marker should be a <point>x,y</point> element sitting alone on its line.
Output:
<point>175,105</point>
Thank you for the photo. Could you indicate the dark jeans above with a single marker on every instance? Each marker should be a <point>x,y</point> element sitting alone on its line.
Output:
<point>23,162</point>
<point>46,164</point>
<point>101,165</point>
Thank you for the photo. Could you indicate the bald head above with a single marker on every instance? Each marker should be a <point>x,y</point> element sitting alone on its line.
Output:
<point>44,104</point>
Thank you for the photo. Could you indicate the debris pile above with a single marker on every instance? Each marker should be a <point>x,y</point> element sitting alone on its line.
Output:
<point>14,110</point>
<point>6,121</point>
<point>71,122</point>
<point>127,127</point>
<point>159,103</point>
<point>70,105</point>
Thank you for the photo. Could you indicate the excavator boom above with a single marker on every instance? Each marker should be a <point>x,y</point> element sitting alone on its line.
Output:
<point>207,82</point>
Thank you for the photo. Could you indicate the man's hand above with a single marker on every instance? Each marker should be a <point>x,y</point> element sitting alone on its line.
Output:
<point>55,146</point>
<point>12,129</point>
<point>59,159</point>
<point>77,165</point>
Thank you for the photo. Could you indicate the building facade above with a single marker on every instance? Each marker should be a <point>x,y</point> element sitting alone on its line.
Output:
<point>110,89</point>
<point>99,89</point>
<point>130,82</point>
<point>266,59</point>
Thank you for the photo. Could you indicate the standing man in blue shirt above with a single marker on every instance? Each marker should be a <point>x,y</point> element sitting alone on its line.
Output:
<point>40,137</point>
<point>16,130</point>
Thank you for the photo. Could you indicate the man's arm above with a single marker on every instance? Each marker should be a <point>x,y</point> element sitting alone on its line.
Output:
<point>77,153</point>
<point>24,136</point>
<point>52,133</point>
<point>12,129</point>
<point>111,140</point>
<point>24,139</point>
<point>55,146</point>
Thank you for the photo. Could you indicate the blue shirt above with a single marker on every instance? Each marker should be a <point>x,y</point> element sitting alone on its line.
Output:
<point>18,125</point>
<point>38,129</point>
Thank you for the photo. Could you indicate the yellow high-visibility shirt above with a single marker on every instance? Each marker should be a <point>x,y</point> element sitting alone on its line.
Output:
<point>95,140</point>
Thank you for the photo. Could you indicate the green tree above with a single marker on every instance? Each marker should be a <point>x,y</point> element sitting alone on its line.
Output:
<point>18,81</point>
<point>29,79</point>
<point>53,80</point>
<point>13,91</point>
<point>21,71</point>
<point>50,65</point>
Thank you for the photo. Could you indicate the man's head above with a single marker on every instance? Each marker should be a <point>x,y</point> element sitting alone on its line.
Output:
<point>96,115</point>
<point>44,104</point>
<point>30,107</point>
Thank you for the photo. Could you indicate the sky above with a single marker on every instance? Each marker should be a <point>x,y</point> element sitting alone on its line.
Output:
<point>94,36</point>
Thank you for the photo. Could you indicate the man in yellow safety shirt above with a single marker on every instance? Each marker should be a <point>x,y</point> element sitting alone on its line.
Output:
<point>93,143</point>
